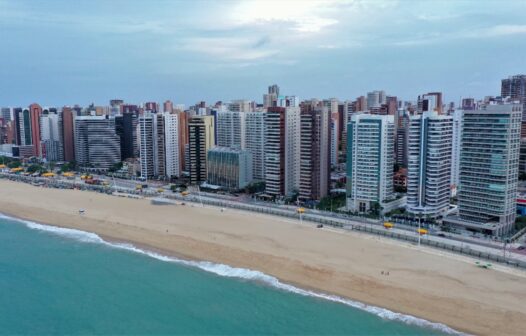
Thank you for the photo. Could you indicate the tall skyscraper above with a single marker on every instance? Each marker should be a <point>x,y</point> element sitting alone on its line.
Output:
<point>201,133</point>
<point>168,106</point>
<point>370,161</point>
<point>334,148</point>
<point>489,161</point>
<point>275,151</point>
<point>240,106</point>
<point>67,132</point>
<point>25,133</point>
<point>315,154</point>
<point>231,129</point>
<point>126,127</point>
<point>429,102</point>
<point>6,114</point>
<point>401,132</point>
<point>273,89</point>
<point>375,99</point>
<point>172,147</point>
<point>183,137</point>
<point>292,150</point>
<point>96,142</point>
<point>458,116</point>
<point>468,104</point>
<point>429,164</point>
<point>269,99</point>
<point>151,145</point>
<point>515,88</point>
<point>255,142</point>
<point>51,137</point>
<point>35,111</point>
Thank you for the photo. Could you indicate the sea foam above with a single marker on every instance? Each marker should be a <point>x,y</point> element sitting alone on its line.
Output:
<point>236,272</point>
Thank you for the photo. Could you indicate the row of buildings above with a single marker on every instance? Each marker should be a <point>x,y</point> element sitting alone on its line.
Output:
<point>292,146</point>
<point>471,153</point>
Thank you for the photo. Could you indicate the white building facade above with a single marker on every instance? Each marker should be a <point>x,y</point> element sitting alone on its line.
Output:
<point>370,160</point>
<point>429,164</point>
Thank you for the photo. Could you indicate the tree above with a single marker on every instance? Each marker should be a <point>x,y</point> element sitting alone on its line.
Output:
<point>35,168</point>
<point>255,187</point>
<point>117,166</point>
<point>375,209</point>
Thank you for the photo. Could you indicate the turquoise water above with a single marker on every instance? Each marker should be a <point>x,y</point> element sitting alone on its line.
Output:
<point>70,282</point>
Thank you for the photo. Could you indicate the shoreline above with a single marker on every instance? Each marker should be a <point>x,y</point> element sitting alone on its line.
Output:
<point>300,255</point>
<point>257,277</point>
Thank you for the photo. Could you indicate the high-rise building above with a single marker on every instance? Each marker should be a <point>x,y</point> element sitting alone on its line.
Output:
<point>456,145</point>
<point>375,99</point>
<point>152,107</point>
<point>255,142</point>
<point>240,106</point>
<point>292,150</point>
<point>17,113</point>
<point>429,102</point>
<point>275,151</point>
<point>401,132</point>
<point>172,147</point>
<point>273,89</point>
<point>269,100</point>
<point>25,135</point>
<point>360,104</point>
<point>370,161</point>
<point>230,168</point>
<point>514,87</point>
<point>183,137</point>
<point>489,161</point>
<point>201,134</point>
<point>315,154</point>
<point>126,127</point>
<point>168,106</point>
<point>151,141</point>
<point>35,111</point>
<point>51,137</point>
<point>96,142</point>
<point>231,129</point>
<point>334,148</point>
<point>429,164</point>
<point>68,134</point>
<point>468,104</point>
<point>6,114</point>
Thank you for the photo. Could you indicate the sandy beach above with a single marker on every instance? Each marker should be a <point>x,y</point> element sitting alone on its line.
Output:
<point>427,283</point>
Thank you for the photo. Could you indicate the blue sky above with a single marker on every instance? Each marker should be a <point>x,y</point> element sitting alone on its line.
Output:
<point>67,52</point>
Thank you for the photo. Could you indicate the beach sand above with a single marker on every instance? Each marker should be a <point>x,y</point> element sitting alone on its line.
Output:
<point>423,282</point>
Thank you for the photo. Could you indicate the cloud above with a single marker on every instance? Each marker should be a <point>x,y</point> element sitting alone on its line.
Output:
<point>502,30</point>
<point>228,48</point>
<point>301,16</point>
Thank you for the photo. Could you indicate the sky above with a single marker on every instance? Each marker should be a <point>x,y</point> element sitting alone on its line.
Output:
<point>77,52</point>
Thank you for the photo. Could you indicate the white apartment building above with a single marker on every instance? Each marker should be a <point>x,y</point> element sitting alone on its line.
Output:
<point>458,116</point>
<point>172,146</point>
<point>255,142</point>
<point>231,129</point>
<point>370,161</point>
<point>51,137</point>
<point>429,164</point>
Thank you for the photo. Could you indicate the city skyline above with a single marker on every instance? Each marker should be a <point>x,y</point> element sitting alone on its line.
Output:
<point>187,52</point>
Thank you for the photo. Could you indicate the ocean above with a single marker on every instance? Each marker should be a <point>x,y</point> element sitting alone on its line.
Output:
<point>63,281</point>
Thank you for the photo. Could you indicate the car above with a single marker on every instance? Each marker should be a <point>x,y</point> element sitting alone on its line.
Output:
<point>441,235</point>
<point>319,226</point>
<point>521,248</point>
